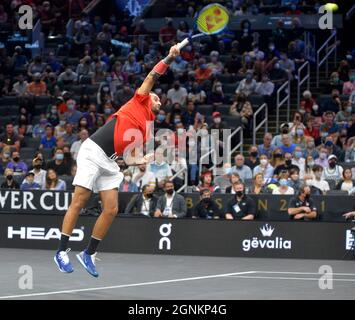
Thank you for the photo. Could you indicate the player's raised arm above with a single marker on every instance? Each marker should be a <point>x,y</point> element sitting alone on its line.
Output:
<point>158,71</point>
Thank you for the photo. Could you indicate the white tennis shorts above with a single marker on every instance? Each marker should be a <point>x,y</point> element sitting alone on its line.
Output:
<point>95,170</point>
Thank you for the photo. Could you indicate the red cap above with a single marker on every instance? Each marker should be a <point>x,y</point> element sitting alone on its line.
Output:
<point>216,114</point>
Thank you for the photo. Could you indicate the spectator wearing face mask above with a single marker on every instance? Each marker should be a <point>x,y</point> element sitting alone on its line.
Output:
<point>58,163</point>
<point>334,171</point>
<point>302,207</point>
<point>333,148</point>
<point>160,121</point>
<point>323,157</point>
<point>127,185</point>
<point>308,168</point>
<point>206,208</point>
<point>310,149</point>
<point>240,207</point>
<point>18,167</point>
<point>29,183</point>
<point>72,116</point>
<point>197,95</point>
<point>283,187</point>
<point>247,85</point>
<point>344,115</point>
<point>264,167</point>
<point>217,96</point>
<point>299,160</point>
<point>233,178</point>
<point>177,94</point>
<point>253,159</point>
<point>9,182</point>
<point>143,204</point>
<point>287,165</point>
<point>203,72</point>
<point>179,67</point>
<point>171,204</point>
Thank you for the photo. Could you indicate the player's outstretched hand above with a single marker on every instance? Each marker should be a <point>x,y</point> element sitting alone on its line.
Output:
<point>174,52</point>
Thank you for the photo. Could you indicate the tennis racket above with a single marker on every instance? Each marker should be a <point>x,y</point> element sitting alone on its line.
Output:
<point>211,20</point>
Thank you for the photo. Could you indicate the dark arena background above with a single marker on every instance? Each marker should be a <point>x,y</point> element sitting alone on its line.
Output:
<point>275,91</point>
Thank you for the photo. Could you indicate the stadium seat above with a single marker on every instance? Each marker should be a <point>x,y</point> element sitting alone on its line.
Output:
<point>337,192</point>
<point>27,153</point>
<point>32,142</point>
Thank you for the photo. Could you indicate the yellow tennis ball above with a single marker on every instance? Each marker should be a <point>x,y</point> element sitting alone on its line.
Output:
<point>331,7</point>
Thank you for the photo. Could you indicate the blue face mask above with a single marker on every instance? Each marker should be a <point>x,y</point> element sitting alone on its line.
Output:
<point>300,132</point>
<point>59,156</point>
<point>203,66</point>
<point>298,154</point>
<point>178,59</point>
<point>161,117</point>
<point>283,182</point>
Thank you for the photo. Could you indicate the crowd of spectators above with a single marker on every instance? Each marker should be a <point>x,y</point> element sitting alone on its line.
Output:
<point>225,71</point>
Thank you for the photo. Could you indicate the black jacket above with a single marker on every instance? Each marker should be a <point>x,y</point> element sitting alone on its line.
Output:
<point>135,204</point>
<point>208,211</point>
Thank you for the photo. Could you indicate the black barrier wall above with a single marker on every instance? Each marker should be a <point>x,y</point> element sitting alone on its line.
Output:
<point>270,207</point>
<point>303,240</point>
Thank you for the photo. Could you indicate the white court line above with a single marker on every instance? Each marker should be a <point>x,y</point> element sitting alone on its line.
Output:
<point>309,273</point>
<point>125,285</point>
<point>289,278</point>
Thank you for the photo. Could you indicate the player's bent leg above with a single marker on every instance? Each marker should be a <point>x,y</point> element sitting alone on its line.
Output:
<point>80,198</point>
<point>109,199</point>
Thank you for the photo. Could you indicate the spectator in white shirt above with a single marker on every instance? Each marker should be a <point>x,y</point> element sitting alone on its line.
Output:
<point>299,161</point>
<point>177,94</point>
<point>247,85</point>
<point>283,188</point>
<point>74,150</point>
<point>318,181</point>
<point>160,168</point>
<point>265,87</point>
<point>334,171</point>
<point>143,177</point>
<point>20,87</point>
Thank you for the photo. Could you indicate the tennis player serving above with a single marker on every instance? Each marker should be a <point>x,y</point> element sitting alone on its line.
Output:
<point>97,170</point>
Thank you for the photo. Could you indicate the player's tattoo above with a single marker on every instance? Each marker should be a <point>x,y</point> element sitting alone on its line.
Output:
<point>169,60</point>
<point>154,75</point>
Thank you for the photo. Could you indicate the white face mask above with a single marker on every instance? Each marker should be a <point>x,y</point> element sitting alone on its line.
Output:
<point>217,120</point>
<point>128,178</point>
<point>263,162</point>
<point>315,107</point>
<point>180,131</point>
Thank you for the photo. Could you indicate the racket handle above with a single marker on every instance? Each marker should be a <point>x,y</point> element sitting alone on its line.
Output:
<point>183,43</point>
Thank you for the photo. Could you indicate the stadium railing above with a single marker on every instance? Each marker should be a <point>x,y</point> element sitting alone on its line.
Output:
<point>301,80</point>
<point>330,46</point>
<point>257,127</point>
<point>285,88</point>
